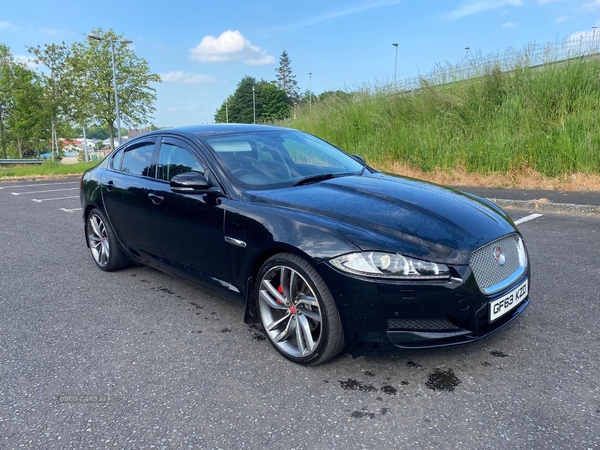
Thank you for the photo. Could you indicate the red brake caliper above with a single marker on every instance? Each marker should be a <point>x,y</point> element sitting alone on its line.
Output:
<point>292,307</point>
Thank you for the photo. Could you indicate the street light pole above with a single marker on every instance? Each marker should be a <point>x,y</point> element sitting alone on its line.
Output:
<point>395,44</point>
<point>85,149</point>
<point>253,104</point>
<point>310,90</point>
<point>112,53</point>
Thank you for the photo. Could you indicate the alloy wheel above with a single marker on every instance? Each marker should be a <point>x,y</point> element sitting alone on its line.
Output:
<point>98,240</point>
<point>290,311</point>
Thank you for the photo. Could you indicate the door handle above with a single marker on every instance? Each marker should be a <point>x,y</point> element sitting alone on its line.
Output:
<point>156,199</point>
<point>110,185</point>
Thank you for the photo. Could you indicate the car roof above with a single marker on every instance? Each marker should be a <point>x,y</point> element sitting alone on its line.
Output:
<point>218,128</point>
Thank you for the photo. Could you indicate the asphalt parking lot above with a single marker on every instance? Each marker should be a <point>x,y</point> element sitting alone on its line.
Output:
<point>137,359</point>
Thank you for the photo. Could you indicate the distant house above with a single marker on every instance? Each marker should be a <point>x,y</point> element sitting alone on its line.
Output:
<point>69,145</point>
<point>135,132</point>
<point>107,141</point>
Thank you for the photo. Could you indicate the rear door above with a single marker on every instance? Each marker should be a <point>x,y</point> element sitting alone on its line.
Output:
<point>125,194</point>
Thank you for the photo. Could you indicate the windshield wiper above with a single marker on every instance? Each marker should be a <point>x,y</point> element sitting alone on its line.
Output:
<point>324,176</point>
<point>313,179</point>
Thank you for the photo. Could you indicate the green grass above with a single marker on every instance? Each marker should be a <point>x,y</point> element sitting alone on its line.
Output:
<point>544,119</point>
<point>47,168</point>
<point>541,119</point>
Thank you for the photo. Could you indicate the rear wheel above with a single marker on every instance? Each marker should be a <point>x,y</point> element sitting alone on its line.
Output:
<point>297,310</point>
<point>103,244</point>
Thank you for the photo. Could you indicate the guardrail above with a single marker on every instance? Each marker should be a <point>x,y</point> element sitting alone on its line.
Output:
<point>20,161</point>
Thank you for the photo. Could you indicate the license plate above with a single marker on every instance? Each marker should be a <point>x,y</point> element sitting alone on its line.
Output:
<point>504,304</point>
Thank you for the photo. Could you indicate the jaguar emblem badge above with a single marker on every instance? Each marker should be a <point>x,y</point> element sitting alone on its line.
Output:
<point>499,256</point>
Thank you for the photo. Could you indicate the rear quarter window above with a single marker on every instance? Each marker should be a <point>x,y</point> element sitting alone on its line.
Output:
<point>138,160</point>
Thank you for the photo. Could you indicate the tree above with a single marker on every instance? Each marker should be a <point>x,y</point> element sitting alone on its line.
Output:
<point>222,114</point>
<point>28,123</point>
<point>23,119</point>
<point>93,63</point>
<point>6,99</point>
<point>286,80</point>
<point>274,104</point>
<point>240,105</point>
<point>269,103</point>
<point>338,95</point>
<point>58,85</point>
<point>98,132</point>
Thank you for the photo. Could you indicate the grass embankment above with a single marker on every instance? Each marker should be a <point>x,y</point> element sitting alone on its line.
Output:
<point>530,127</point>
<point>46,169</point>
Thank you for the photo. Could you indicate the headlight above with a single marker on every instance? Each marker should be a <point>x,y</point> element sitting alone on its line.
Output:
<point>390,265</point>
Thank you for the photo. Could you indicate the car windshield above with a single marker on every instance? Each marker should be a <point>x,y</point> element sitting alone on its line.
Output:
<point>279,158</point>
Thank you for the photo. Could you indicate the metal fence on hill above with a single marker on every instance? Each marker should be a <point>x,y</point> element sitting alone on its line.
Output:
<point>474,64</point>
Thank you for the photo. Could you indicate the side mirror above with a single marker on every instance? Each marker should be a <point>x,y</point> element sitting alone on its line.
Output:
<point>360,160</point>
<point>191,183</point>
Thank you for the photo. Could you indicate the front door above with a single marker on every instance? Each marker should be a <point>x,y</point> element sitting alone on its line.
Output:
<point>187,228</point>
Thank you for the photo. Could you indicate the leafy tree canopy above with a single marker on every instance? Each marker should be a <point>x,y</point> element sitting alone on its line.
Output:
<point>72,88</point>
<point>92,60</point>
<point>97,131</point>
<point>250,97</point>
<point>24,118</point>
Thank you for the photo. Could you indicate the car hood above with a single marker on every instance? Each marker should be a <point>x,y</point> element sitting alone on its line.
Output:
<point>392,213</point>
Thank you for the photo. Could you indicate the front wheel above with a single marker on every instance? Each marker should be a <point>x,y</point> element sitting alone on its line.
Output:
<point>103,244</point>
<point>297,310</point>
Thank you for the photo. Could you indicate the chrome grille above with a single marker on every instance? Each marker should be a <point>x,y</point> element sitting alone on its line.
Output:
<point>490,274</point>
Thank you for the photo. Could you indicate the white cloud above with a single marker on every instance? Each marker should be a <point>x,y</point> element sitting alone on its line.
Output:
<point>592,5</point>
<point>8,25</point>
<point>470,7</point>
<point>230,46</point>
<point>561,19</point>
<point>353,9</point>
<point>26,60</point>
<point>186,78</point>
<point>50,31</point>
<point>510,25</point>
<point>585,35</point>
<point>176,109</point>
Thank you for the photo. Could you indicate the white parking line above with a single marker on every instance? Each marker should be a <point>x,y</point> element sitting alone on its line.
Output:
<point>70,210</point>
<point>12,186</point>
<point>48,199</point>
<point>48,190</point>
<point>527,218</point>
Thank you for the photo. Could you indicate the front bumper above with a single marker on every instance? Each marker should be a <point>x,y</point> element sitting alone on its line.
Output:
<point>442,332</point>
<point>412,314</point>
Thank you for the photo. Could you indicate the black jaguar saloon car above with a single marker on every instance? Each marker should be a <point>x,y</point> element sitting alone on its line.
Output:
<point>321,249</point>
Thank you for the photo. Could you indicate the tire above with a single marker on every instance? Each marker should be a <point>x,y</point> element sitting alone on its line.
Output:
<point>297,310</point>
<point>102,241</point>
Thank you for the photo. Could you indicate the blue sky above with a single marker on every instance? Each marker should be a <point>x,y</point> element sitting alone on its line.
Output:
<point>202,49</point>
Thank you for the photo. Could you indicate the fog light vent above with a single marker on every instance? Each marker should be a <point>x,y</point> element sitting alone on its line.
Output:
<point>422,324</point>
